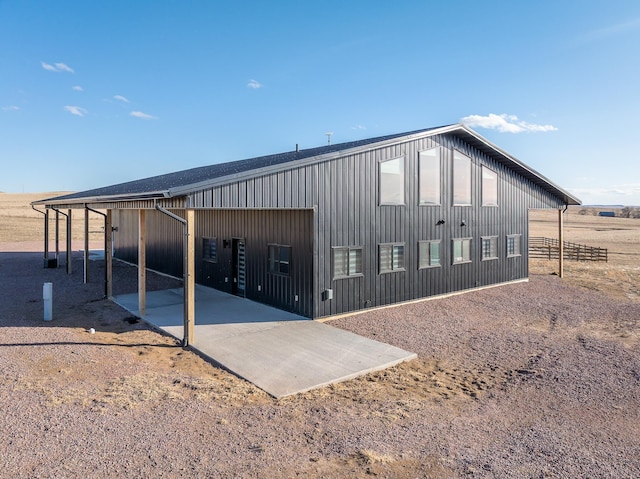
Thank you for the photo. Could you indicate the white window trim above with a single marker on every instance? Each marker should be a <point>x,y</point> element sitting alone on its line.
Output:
<point>438,150</point>
<point>404,176</point>
<point>453,179</point>
<point>489,205</point>
<point>515,255</point>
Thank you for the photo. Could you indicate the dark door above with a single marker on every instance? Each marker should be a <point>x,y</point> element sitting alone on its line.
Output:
<point>239,264</point>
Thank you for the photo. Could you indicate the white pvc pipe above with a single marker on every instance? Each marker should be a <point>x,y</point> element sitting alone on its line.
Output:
<point>47,295</point>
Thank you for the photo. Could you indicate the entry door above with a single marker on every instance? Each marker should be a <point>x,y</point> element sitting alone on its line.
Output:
<point>239,264</point>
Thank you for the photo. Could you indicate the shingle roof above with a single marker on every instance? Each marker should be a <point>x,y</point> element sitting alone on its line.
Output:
<point>160,183</point>
<point>182,182</point>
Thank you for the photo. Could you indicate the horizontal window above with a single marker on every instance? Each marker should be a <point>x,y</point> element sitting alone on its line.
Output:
<point>461,250</point>
<point>391,257</point>
<point>514,245</point>
<point>428,254</point>
<point>347,261</point>
<point>279,259</point>
<point>210,249</point>
<point>489,247</point>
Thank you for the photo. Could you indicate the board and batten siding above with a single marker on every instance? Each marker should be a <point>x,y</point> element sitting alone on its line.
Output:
<point>344,192</point>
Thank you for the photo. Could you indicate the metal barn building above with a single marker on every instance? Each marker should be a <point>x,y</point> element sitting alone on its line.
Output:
<point>334,229</point>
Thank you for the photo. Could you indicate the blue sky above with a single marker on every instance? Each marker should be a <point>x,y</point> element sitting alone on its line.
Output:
<point>97,93</point>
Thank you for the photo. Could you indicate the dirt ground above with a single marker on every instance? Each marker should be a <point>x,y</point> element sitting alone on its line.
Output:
<point>537,379</point>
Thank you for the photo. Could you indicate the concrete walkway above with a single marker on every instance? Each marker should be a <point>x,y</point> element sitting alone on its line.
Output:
<point>279,352</point>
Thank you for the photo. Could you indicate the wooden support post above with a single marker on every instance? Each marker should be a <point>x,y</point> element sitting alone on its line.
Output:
<point>142,264</point>
<point>86,245</point>
<point>189,279</point>
<point>560,244</point>
<point>69,237</point>
<point>108,259</point>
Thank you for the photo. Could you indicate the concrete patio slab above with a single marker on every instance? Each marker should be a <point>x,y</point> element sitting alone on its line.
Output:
<point>280,352</point>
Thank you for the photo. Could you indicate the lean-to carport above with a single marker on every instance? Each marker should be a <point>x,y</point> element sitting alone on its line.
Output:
<point>142,204</point>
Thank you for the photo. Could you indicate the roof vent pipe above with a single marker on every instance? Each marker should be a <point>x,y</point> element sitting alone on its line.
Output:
<point>297,148</point>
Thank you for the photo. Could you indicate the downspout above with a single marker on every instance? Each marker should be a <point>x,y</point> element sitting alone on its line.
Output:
<point>185,336</point>
<point>68,239</point>
<point>46,234</point>
<point>106,271</point>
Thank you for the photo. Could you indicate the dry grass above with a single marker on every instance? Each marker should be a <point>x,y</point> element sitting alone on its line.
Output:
<point>21,223</point>
<point>620,276</point>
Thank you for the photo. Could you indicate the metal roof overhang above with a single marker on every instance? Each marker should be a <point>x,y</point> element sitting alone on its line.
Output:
<point>81,202</point>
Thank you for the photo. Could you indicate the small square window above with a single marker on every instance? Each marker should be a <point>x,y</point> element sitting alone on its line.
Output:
<point>347,261</point>
<point>514,245</point>
<point>210,249</point>
<point>489,247</point>
<point>279,259</point>
<point>461,250</point>
<point>428,254</point>
<point>391,257</point>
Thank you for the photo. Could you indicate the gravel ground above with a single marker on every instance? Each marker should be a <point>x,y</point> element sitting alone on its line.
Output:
<point>537,379</point>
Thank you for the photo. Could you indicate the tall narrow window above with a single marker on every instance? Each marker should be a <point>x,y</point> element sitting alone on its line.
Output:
<point>489,247</point>
<point>347,261</point>
<point>392,182</point>
<point>461,250</point>
<point>489,187</point>
<point>279,259</point>
<point>429,166</point>
<point>210,249</point>
<point>461,179</point>
<point>514,245</point>
<point>391,257</point>
<point>428,254</point>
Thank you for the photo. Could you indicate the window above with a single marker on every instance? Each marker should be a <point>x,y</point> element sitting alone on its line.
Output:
<point>347,261</point>
<point>392,182</point>
<point>489,247</point>
<point>489,187</point>
<point>210,249</point>
<point>279,259</point>
<point>513,245</point>
<point>429,170</point>
<point>391,257</point>
<point>461,179</point>
<point>428,254</point>
<point>461,250</point>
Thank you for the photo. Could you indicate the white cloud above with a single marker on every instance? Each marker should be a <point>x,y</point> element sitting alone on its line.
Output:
<point>63,67</point>
<point>57,67</point>
<point>77,88</point>
<point>121,98</point>
<point>254,84</point>
<point>504,123</point>
<point>358,127</point>
<point>144,116</point>
<point>76,110</point>
<point>11,108</point>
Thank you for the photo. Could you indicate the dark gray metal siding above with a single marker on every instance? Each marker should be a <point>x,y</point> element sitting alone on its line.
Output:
<point>345,192</point>
<point>258,228</point>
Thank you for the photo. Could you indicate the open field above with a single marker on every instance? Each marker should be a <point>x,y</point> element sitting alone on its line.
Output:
<point>537,379</point>
<point>620,276</point>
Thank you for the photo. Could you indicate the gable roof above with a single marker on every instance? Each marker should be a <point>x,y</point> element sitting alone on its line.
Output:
<point>183,182</point>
